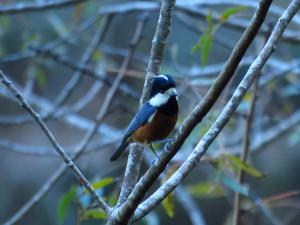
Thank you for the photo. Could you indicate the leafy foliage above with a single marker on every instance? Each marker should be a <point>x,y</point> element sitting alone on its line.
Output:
<point>207,189</point>
<point>168,202</point>
<point>100,184</point>
<point>230,12</point>
<point>246,167</point>
<point>205,41</point>
<point>83,199</point>
<point>93,214</point>
<point>64,204</point>
<point>234,185</point>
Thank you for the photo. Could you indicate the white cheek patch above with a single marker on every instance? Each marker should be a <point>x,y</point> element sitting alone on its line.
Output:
<point>159,99</point>
<point>162,98</point>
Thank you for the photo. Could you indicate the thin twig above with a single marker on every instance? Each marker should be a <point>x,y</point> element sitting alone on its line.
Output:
<point>85,70</point>
<point>240,176</point>
<point>102,112</point>
<point>68,161</point>
<point>123,214</point>
<point>246,144</point>
<point>133,165</point>
<point>77,76</point>
<point>23,7</point>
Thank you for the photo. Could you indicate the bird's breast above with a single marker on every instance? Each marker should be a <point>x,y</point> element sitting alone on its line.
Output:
<point>158,128</point>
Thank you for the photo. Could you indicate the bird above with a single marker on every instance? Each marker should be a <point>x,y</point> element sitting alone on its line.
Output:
<point>156,118</point>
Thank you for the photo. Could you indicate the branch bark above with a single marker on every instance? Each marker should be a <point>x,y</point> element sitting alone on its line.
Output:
<point>224,117</point>
<point>122,214</point>
<point>68,161</point>
<point>23,7</point>
<point>198,113</point>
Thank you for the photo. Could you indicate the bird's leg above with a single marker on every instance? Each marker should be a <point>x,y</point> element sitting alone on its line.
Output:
<point>166,140</point>
<point>151,147</point>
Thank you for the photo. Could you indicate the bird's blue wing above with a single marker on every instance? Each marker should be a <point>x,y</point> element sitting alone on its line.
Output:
<point>142,117</point>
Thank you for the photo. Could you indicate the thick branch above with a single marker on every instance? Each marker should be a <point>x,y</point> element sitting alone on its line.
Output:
<point>200,111</point>
<point>123,214</point>
<point>224,117</point>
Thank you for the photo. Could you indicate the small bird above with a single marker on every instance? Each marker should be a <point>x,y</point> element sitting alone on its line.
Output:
<point>156,118</point>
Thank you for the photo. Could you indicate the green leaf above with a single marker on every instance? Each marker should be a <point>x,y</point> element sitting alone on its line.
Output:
<point>100,183</point>
<point>205,44</point>
<point>97,55</point>
<point>230,12</point>
<point>210,25</point>
<point>208,189</point>
<point>234,185</point>
<point>40,78</point>
<point>205,41</point>
<point>64,204</point>
<point>168,204</point>
<point>93,214</point>
<point>248,168</point>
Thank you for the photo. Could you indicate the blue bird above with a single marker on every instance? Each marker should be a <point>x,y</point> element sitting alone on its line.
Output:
<point>156,118</point>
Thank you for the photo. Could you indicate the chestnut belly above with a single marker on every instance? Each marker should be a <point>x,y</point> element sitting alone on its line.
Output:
<point>157,129</point>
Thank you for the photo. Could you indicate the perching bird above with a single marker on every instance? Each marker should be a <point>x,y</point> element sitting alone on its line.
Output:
<point>155,119</point>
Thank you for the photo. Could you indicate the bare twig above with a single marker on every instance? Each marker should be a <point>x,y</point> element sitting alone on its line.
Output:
<point>246,143</point>
<point>123,214</point>
<point>23,7</point>
<point>224,117</point>
<point>83,69</point>
<point>132,169</point>
<point>68,161</point>
<point>52,44</point>
<point>195,11</point>
<point>104,108</point>
<point>77,76</point>
<point>190,206</point>
<point>43,151</point>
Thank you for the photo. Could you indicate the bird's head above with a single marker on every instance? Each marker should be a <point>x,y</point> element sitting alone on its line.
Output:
<point>163,89</point>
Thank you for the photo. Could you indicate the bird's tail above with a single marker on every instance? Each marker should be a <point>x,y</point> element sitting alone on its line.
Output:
<point>119,150</point>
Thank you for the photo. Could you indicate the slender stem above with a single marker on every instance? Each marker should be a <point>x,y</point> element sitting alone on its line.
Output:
<point>134,158</point>
<point>246,143</point>
<point>23,7</point>
<point>68,161</point>
<point>123,214</point>
<point>247,133</point>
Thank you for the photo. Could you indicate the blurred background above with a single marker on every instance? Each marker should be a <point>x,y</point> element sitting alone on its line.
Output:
<point>64,59</point>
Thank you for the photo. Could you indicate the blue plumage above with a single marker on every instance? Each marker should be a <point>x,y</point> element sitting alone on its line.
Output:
<point>141,118</point>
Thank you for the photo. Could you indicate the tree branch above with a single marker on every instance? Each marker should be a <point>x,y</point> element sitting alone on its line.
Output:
<point>77,76</point>
<point>201,110</point>
<point>68,161</point>
<point>224,117</point>
<point>23,7</point>
<point>100,116</point>
<point>123,214</point>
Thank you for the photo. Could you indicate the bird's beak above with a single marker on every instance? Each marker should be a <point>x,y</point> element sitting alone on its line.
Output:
<point>173,92</point>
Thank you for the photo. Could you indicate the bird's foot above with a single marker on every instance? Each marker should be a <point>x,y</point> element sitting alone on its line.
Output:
<point>163,141</point>
<point>151,147</point>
